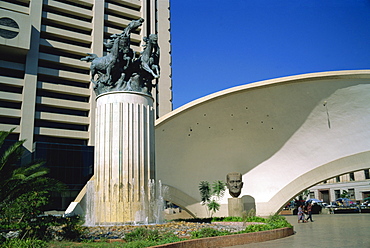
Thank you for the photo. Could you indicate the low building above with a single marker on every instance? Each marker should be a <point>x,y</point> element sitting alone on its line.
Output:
<point>356,184</point>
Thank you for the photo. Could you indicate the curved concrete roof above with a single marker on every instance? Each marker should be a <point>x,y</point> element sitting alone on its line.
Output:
<point>284,135</point>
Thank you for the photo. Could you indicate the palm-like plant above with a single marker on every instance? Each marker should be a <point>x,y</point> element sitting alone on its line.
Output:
<point>209,195</point>
<point>218,188</point>
<point>205,191</point>
<point>23,189</point>
<point>213,207</point>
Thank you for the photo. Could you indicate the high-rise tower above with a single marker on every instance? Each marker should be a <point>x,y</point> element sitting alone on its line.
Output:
<point>45,89</point>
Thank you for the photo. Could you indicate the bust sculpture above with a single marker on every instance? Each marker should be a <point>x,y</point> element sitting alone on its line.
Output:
<point>234,184</point>
<point>120,70</point>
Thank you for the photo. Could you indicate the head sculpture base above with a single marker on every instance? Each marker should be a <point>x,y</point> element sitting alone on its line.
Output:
<point>235,207</point>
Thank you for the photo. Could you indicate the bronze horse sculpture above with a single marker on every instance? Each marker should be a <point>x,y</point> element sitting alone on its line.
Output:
<point>103,65</point>
<point>119,70</point>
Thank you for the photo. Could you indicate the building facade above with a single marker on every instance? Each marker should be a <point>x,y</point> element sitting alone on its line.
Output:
<point>355,184</point>
<point>45,90</point>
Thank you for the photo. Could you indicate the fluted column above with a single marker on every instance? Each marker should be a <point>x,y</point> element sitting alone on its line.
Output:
<point>124,157</point>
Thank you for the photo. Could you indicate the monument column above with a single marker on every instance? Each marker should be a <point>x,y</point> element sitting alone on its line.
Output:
<point>122,189</point>
<point>124,158</point>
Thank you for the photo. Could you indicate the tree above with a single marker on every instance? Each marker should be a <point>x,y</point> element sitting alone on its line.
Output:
<point>344,194</point>
<point>24,190</point>
<point>210,196</point>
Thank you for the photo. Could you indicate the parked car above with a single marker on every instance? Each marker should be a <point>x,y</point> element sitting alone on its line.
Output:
<point>332,205</point>
<point>316,208</point>
<point>324,204</point>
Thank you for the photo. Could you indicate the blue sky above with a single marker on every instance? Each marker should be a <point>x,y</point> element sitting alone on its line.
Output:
<point>217,46</point>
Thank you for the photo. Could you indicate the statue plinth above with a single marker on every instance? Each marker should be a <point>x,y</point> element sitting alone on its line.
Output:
<point>124,158</point>
<point>235,207</point>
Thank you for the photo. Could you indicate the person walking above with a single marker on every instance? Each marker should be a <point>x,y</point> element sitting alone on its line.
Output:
<point>301,214</point>
<point>309,212</point>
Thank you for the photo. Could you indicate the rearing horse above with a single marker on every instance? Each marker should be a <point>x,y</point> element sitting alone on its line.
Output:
<point>146,60</point>
<point>103,65</point>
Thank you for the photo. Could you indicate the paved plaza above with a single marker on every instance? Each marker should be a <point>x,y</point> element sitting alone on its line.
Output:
<point>327,230</point>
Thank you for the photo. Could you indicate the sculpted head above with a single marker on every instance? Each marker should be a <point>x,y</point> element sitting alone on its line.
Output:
<point>234,184</point>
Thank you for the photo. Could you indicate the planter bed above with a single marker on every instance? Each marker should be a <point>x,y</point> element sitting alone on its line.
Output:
<point>231,240</point>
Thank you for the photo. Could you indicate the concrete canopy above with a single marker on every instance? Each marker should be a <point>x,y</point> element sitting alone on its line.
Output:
<point>284,135</point>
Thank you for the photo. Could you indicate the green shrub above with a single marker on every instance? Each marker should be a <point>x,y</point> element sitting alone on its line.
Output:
<point>168,237</point>
<point>142,237</point>
<point>227,219</point>
<point>72,229</point>
<point>273,222</point>
<point>277,221</point>
<point>142,233</point>
<point>233,219</point>
<point>24,190</point>
<point>257,228</point>
<point>208,232</point>
<point>24,243</point>
<point>255,219</point>
<point>49,228</point>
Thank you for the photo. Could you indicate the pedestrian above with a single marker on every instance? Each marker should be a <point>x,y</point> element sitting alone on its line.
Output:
<point>309,212</point>
<point>301,214</point>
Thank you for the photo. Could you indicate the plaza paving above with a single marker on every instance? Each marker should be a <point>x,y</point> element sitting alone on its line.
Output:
<point>327,230</point>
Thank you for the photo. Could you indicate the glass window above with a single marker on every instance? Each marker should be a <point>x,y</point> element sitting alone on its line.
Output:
<point>312,194</point>
<point>367,174</point>
<point>351,193</point>
<point>337,179</point>
<point>337,194</point>
<point>352,176</point>
<point>69,163</point>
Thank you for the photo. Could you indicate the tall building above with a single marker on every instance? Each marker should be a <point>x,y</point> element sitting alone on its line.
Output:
<point>45,90</point>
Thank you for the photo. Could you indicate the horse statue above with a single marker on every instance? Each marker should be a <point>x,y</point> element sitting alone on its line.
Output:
<point>103,65</point>
<point>119,70</point>
<point>148,56</point>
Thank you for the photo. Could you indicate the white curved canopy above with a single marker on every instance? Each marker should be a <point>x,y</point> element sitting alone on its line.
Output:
<point>284,135</point>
